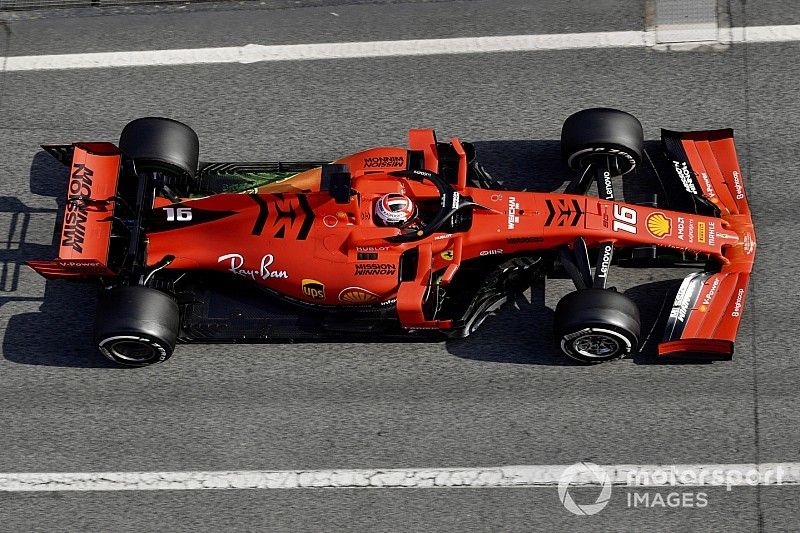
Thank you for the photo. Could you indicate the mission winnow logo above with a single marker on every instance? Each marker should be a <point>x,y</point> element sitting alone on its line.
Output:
<point>80,189</point>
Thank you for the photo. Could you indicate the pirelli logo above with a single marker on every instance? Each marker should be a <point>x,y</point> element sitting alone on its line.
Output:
<point>701,232</point>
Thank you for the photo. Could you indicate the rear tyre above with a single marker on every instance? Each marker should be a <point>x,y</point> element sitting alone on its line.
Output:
<point>597,325</point>
<point>595,135</point>
<point>161,144</point>
<point>136,326</point>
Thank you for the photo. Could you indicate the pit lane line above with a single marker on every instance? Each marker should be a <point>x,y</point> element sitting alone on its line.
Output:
<point>728,475</point>
<point>254,53</point>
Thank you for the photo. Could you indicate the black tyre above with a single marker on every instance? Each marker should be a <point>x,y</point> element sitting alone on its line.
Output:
<point>161,143</point>
<point>597,134</point>
<point>596,325</point>
<point>136,326</point>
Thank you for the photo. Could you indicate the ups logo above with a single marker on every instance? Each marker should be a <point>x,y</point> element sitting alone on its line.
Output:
<point>313,289</point>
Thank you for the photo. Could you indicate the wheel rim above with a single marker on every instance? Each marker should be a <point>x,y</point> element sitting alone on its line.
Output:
<point>133,351</point>
<point>596,345</point>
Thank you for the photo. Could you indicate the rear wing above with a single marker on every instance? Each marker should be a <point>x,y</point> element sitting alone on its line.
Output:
<point>86,230</point>
<point>705,316</point>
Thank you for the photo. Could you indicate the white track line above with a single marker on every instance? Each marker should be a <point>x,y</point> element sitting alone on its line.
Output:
<point>253,53</point>
<point>771,474</point>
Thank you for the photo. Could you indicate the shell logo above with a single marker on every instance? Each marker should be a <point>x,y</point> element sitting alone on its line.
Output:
<point>357,295</point>
<point>659,225</point>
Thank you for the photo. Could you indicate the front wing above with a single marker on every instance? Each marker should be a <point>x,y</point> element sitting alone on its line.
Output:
<point>705,316</point>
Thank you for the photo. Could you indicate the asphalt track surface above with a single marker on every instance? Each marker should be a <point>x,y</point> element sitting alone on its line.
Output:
<point>502,397</point>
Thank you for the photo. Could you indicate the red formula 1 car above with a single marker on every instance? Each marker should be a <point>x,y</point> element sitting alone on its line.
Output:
<point>394,241</point>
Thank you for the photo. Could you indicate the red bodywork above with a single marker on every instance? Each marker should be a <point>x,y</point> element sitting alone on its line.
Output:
<point>295,239</point>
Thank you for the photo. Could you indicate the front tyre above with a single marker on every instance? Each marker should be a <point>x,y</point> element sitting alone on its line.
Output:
<point>597,325</point>
<point>602,136</point>
<point>136,326</point>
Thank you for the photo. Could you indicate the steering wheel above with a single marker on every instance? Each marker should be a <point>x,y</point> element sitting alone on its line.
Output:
<point>450,203</point>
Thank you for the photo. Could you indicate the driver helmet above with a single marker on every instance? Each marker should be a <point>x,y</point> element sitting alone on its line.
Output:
<point>395,209</point>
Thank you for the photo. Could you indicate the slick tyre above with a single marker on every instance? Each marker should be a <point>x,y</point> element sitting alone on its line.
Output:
<point>604,136</point>
<point>136,326</point>
<point>597,325</point>
<point>162,144</point>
